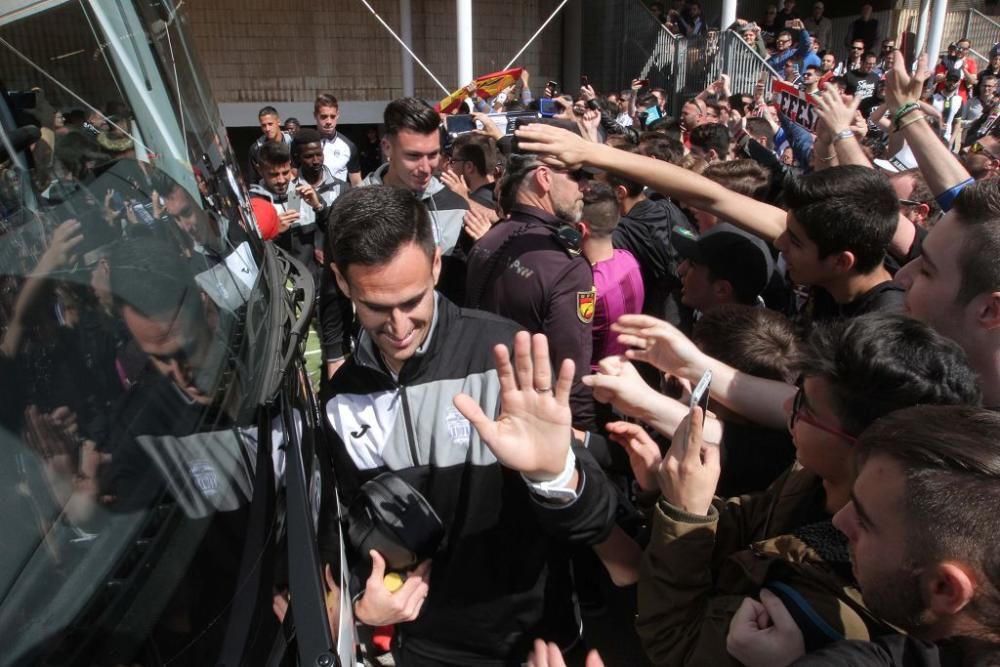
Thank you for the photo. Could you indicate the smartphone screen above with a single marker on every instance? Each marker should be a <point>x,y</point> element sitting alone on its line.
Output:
<point>460,124</point>
<point>548,107</point>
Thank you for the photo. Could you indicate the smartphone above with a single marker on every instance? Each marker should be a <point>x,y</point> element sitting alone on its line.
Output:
<point>548,107</point>
<point>553,86</point>
<point>584,80</point>
<point>460,124</point>
<point>644,82</point>
<point>294,202</point>
<point>699,397</point>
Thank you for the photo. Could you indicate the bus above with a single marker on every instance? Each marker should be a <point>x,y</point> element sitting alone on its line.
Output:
<point>167,496</point>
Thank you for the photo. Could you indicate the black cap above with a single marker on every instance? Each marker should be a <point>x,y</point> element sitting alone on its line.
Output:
<point>729,253</point>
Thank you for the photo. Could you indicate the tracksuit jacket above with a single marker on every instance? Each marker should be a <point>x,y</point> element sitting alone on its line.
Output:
<point>487,582</point>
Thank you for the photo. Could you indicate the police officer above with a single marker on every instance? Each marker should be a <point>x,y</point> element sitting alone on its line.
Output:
<point>529,268</point>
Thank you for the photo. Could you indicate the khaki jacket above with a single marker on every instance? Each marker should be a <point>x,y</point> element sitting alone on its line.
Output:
<point>696,571</point>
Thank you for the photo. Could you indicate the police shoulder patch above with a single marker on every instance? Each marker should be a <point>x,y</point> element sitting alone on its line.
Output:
<point>586,302</point>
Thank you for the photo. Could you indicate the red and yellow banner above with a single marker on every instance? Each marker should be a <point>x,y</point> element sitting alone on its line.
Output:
<point>488,85</point>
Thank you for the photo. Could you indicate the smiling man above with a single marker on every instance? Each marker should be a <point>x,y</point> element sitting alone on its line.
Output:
<point>412,146</point>
<point>393,408</point>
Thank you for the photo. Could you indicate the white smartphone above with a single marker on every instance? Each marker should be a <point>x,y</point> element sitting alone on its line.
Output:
<point>699,397</point>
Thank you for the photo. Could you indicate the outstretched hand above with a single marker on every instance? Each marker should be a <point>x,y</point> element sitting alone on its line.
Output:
<point>618,382</point>
<point>558,147</point>
<point>533,432</point>
<point>690,471</point>
<point>643,452</point>
<point>659,343</point>
<point>835,113</point>
<point>900,86</point>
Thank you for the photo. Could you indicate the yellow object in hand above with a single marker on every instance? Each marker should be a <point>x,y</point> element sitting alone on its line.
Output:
<point>393,581</point>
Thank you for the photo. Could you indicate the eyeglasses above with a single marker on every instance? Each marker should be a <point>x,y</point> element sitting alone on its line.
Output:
<point>978,148</point>
<point>453,160</point>
<point>799,411</point>
<point>909,202</point>
<point>857,48</point>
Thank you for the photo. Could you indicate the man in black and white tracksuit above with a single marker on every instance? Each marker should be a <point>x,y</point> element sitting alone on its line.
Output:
<point>424,368</point>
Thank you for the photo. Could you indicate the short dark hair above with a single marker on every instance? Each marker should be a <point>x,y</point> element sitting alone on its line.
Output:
<point>878,363</point>
<point>756,341</point>
<point>660,146</point>
<point>409,113</point>
<point>760,127</point>
<point>600,209</point>
<point>268,111</point>
<point>711,136</point>
<point>950,458</point>
<point>369,225</point>
<point>274,153</point>
<point>306,135</point>
<point>846,208</point>
<point>478,149</point>
<point>149,275</point>
<point>633,188</point>
<point>977,208</point>
<point>325,100</point>
<point>745,177</point>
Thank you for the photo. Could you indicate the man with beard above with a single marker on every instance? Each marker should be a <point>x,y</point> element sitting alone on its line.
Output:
<point>297,203</point>
<point>924,556</point>
<point>530,267</point>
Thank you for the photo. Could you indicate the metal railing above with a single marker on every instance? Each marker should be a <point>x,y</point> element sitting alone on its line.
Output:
<point>982,32</point>
<point>744,65</point>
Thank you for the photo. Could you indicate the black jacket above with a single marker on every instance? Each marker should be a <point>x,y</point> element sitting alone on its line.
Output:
<point>487,586</point>
<point>645,232</point>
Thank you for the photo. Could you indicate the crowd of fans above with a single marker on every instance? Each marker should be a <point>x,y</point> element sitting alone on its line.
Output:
<point>845,297</point>
<point>837,281</point>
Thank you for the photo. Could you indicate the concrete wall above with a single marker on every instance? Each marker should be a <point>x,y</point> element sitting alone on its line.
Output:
<point>283,52</point>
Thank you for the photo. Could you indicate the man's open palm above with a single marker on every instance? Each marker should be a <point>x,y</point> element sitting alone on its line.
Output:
<point>533,431</point>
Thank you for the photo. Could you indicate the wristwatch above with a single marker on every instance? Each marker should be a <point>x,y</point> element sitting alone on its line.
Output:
<point>843,134</point>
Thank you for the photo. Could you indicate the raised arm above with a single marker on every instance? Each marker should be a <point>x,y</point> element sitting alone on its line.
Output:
<point>941,168</point>
<point>565,149</point>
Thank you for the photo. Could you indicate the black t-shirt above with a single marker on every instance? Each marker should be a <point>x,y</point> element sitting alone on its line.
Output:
<point>861,85</point>
<point>886,297</point>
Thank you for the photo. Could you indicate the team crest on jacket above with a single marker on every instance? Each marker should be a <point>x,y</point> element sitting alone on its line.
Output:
<point>585,304</point>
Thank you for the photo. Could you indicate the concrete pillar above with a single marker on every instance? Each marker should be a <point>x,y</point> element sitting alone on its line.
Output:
<point>464,29</point>
<point>572,47</point>
<point>728,14</point>
<point>939,11</point>
<point>406,34</point>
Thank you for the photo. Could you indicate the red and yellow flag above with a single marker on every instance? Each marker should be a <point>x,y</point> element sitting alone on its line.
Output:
<point>488,85</point>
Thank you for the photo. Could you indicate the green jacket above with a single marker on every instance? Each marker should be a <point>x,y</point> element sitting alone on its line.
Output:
<point>696,571</point>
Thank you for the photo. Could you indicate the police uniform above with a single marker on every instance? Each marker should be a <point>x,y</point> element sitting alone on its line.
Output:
<point>529,269</point>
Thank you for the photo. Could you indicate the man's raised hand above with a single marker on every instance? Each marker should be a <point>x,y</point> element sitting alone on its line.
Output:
<point>533,432</point>
<point>690,471</point>
<point>659,343</point>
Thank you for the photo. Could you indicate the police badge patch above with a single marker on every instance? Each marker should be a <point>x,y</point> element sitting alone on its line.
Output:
<point>586,302</point>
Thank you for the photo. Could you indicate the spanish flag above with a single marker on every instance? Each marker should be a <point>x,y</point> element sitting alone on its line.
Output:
<point>488,85</point>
